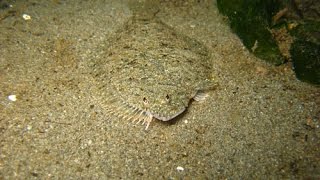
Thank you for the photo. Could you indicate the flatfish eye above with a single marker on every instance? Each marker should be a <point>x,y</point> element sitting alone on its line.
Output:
<point>145,101</point>
<point>168,97</point>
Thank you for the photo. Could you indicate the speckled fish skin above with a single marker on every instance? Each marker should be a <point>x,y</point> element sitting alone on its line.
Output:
<point>153,71</point>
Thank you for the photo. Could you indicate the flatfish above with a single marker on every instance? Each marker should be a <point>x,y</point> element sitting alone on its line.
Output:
<point>150,71</point>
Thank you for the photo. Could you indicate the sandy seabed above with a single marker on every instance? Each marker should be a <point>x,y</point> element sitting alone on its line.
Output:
<point>260,121</point>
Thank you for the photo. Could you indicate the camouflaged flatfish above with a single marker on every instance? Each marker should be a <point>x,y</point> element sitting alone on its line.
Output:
<point>152,71</point>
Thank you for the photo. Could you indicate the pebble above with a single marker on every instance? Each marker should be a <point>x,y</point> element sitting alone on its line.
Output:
<point>26,17</point>
<point>180,169</point>
<point>12,97</point>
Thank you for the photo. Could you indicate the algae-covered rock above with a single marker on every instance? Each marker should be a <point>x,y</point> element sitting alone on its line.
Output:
<point>263,27</point>
<point>306,61</point>
<point>251,21</point>
<point>305,52</point>
<point>307,30</point>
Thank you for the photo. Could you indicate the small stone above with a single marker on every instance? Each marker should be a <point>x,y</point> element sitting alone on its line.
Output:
<point>180,169</point>
<point>12,97</point>
<point>89,142</point>
<point>26,17</point>
<point>29,127</point>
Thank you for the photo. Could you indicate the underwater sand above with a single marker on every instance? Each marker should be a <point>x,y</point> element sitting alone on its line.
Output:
<point>260,122</point>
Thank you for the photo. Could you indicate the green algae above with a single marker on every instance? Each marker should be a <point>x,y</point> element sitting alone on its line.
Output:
<point>251,21</point>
